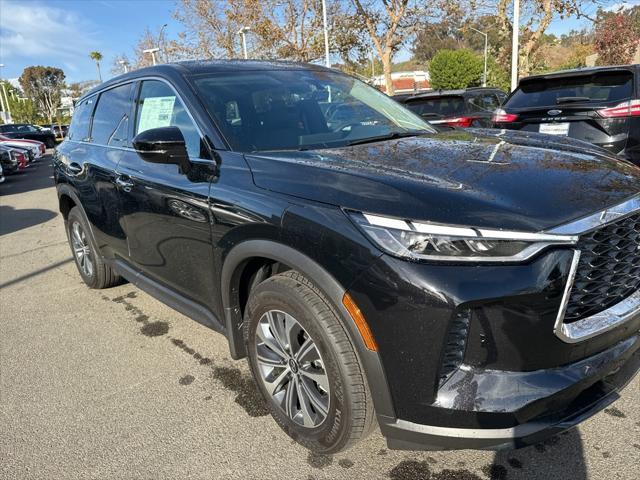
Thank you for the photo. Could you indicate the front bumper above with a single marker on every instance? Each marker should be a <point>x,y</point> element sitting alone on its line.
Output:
<point>553,400</point>
<point>471,358</point>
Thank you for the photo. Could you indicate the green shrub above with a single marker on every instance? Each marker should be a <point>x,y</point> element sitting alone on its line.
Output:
<point>456,69</point>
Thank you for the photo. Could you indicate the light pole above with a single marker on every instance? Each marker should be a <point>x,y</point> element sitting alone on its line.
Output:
<point>243,32</point>
<point>161,40</point>
<point>6,98</point>
<point>515,44</point>
<point>124,64</point>
<point>327,60</point>
<point>486,54</point>
<point>152,51</point>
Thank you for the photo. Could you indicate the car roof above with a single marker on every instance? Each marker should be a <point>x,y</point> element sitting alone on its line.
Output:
<point>449,93</point>
<point>583,71</point>
<point>198,67</point>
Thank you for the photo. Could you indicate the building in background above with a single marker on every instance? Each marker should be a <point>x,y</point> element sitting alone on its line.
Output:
<point>404,82</point>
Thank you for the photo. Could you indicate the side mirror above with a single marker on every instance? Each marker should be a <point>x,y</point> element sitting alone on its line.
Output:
<point>163,145</point>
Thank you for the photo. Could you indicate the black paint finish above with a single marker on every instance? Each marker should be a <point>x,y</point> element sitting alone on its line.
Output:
<point>198,239</point>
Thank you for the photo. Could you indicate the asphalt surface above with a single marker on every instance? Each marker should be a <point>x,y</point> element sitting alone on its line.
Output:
<point>112,384</point>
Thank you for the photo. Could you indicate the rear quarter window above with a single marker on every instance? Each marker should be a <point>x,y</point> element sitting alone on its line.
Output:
<point>600,87</point>
<point>81,120</point>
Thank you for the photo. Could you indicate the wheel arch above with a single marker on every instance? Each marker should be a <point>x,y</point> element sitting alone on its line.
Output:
<point>267,251</point>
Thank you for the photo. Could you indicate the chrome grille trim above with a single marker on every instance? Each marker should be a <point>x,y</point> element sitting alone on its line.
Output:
<point>598,219</point>
<point>613,316</point>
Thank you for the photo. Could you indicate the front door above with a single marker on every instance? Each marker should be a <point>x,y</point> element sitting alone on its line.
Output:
<point>165,211</point>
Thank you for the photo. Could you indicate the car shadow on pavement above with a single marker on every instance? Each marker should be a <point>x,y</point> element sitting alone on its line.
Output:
<point>12,220</point>
<point>559,457</point>
<point>37,176</point>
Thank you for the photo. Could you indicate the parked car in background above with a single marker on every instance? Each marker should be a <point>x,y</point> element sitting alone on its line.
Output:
<point>37,148</point>
<point>460,287</point>
<point>471,107</point>
<point>597,105</point>
<point>59,130</point>
<point>27,152</point>
<point>1,173</point>
<point>12,160</point>
<point>29,132</point>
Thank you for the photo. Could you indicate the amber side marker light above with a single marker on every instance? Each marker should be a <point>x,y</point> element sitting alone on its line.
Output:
<point>361,323</point>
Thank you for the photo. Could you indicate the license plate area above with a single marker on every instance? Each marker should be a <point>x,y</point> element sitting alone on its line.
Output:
<point>555,128</point>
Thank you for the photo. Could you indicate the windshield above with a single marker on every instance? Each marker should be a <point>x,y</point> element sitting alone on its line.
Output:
<point>602,87</point>
<point>301,109</point>
<point>437,107</point>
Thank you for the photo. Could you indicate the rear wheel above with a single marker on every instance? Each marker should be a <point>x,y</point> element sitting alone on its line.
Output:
<point>305,365</point>
<point>94,272</point>
<point>50,143</point>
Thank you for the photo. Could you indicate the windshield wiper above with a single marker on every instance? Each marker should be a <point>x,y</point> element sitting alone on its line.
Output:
<point>388,136</point>
<point>560,100</point>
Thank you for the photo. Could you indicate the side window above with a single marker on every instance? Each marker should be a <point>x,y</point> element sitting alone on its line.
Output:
<point>81,121</point>
<point>111,118</point>
<point>159,106</point>
<point>502,97</point>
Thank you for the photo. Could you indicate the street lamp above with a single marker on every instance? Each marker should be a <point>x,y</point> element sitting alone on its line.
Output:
<point>5,100</point>
<point>243,32</point>
<point>152,51</point>
<point>515,44</point>
<point>486,53</point>
<point>125,65</point>
<point>327,61</point>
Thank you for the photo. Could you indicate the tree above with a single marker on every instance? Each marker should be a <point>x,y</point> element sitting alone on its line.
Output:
<point>282,29</point>
<point>96,57</point>
<point>43,85</point>
<point>22,109</point>
<point>616,40</point>
<point>389,24</point>
<point>455,69</point>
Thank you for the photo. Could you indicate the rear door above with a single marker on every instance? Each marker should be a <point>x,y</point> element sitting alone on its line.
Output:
<point>165,210</point>
<point>584,106</point>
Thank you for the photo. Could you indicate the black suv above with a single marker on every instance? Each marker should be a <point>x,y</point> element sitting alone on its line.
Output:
<point>471,107</point>
<point>473,288</point>
<point>29,132</point>
<point>597,105</point>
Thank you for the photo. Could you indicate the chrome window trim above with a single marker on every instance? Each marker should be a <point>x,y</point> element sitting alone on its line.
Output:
<point>129,149</point>
<point>599,219</point>
<point>135,102</point>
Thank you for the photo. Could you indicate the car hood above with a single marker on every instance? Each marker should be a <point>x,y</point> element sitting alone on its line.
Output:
<point>483,178</point>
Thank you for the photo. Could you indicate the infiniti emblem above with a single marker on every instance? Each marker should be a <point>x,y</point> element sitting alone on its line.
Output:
<point>554,112</point>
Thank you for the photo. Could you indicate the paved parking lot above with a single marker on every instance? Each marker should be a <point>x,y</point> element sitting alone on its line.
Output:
<point>114,385</point>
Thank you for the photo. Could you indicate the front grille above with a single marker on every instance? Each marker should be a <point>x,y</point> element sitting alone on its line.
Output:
<point>608,270</point>
<point>455,344</point>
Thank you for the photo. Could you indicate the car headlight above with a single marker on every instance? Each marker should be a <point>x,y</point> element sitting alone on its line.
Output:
<point>428,241</point>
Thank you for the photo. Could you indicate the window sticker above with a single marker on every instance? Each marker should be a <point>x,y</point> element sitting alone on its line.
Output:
<point>156,112</point>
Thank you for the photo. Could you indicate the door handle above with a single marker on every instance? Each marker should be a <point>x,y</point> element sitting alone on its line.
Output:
<point>74,168</point>
<point>124,183</point>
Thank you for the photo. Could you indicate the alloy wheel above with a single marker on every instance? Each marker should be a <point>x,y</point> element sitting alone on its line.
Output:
<point>81,248</point>
<point>292,369</point>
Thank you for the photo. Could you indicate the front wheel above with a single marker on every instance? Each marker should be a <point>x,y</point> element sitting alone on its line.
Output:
<point>305,365</point>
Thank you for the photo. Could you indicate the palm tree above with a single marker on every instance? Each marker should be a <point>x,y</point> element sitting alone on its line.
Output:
<point>97,56</point>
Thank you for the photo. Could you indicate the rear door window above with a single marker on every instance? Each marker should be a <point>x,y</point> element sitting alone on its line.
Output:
<point>111,118</point>
<point>81,120</point>
<point>600,87</point>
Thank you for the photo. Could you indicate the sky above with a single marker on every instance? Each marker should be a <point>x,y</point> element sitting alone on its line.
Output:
<point>61,33</point>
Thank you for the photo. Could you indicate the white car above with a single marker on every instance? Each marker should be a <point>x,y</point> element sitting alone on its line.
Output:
<point>38,148</point>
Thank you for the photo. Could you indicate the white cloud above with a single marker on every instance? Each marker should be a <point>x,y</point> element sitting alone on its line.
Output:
<point>30,29</point>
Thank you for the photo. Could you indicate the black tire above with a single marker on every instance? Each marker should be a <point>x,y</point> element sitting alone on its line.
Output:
<point>49,143</point>
<point>100,275</point>
<point>350,414</point>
